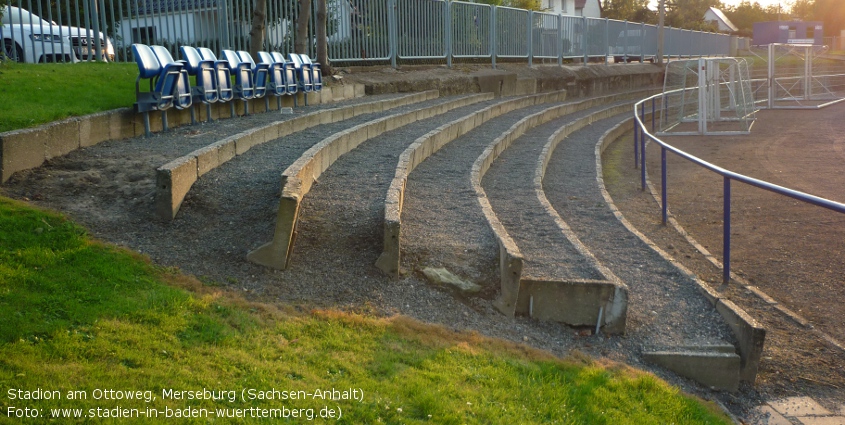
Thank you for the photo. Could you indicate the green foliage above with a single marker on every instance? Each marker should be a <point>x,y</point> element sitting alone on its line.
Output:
<point>81,316</point>
<point>35,94</point>
<point>832,13</point>
<point>746,14</point>
<point>689,14</point>
<point>630,10</point>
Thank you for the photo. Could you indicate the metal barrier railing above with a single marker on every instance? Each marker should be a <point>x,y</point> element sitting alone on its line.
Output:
<point>642,135</point>
<point>358,31</point>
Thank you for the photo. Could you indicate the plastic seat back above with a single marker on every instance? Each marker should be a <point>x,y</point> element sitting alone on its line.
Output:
<point>148,65</point>
<point>163,81</point>
<point>224,76</point>
<point>303,73</point>
<point>244,84</point>
<point>206,77</point>
<point>288,72</point>
<point>275,70</point>
<point>183,85</point>
<point>260,73</point>
<point>316,73</point>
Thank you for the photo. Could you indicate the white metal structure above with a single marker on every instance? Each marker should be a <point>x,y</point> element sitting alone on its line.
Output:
<point>800,78</point>
<point>707,96</point>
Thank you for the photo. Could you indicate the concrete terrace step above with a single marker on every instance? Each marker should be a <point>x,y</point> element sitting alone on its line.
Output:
<point>298,178</point>
<point>560,279</point>
<point>174,179</point>
<point>424,147</point>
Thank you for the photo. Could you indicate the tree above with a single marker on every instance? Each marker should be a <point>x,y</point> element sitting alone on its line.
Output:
<point>746,14</point>
<point>804,10</point>
<point>256,34</point>
<point>628,10</point>
<point>689,14</point>
<point>301,43</point>
<point>832,13</point>
<point>322,38</point>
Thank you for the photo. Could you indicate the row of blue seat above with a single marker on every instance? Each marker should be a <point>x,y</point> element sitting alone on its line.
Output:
<point>170,85</point>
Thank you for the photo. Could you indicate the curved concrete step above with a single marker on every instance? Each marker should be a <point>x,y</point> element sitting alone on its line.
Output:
<point>560,280</point>
<point>175,179</point>
<point>424,147</point>
<point>298,178</point>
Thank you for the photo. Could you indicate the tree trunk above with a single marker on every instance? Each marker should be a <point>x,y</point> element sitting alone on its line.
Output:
<point>322,38</point>
<point>301,44</point>
<point>256,34</point>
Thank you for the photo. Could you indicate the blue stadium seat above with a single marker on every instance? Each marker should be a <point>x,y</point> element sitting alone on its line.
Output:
<point>259,73</point>
<point>183,98</point>
<point>205,90</point>
<point>316,72</point>
<point>244,87</point>
<point>164,80</point>
<point>303,73</point>
<point>282,77</point>
<point>223,78</point>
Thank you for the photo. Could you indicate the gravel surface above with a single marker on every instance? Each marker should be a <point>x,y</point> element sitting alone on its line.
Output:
<point>441,207</point>
<point>231,210</point>
<point>665,308</point>
<point>509,185</point>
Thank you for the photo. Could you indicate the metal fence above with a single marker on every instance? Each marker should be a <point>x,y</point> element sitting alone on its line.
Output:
<point>387,31</point>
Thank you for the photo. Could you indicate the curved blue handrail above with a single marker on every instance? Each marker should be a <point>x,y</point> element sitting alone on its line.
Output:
<point>641,130</point>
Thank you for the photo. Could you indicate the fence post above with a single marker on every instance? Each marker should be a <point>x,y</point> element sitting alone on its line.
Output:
<point>663,181</point>
<point>636,141</point>
<point>584,38</point>
<point>493,35</point>
<point>606,40</point>
<point>642,146</point>
<point>726,238</point>
<point>530,38</point>
<point>625,47</point>
<point>642,42</point>
<point>392,32</point>
<point>559,40</point>
<point>448,14</point>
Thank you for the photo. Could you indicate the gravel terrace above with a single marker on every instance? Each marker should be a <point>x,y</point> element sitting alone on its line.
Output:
<point>442,222</point>
<point>509,185</point>
<point>108,189</point>
<point>665,307</point>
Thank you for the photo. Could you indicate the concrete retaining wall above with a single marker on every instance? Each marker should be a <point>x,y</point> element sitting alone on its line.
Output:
<point>169,196</point>
<point>749,333</point>
<point>29,148</point>
<point>576,302</point>
<point>426,146</point>
<point>298,178</point>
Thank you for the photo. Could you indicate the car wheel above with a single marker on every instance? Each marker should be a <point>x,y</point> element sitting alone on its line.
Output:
<point>16,54</point>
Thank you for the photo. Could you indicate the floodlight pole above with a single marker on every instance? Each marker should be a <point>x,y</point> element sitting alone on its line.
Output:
<point>662,13</point>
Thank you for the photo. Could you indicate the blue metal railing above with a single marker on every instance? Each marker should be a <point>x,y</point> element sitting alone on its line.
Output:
<point>642,135</point>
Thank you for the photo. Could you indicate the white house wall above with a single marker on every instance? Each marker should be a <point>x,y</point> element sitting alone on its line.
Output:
<point>592,9</point>
<point>559,7</point>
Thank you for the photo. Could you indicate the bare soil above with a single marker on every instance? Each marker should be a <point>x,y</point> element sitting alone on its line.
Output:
<point>790,250</point>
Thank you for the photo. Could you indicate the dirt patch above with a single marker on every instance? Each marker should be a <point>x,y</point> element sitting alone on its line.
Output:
<point>790,250</point>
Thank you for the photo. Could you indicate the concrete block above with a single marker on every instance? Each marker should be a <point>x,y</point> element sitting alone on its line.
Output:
<point>226,150</point>
<point>96,128</point>
<point>389,259</point>
<point>208,158</point>
<point>765,415</point>
<point>21,150</point>
<point>276,254</point>
<point>575,302</point>
<point>173,181</point>
<point>244,141</point>
<point>510,267</point>
<point>326,96</point>
<point>122,124</point>
<point>716,370</point>
<point>62,138</point>
<point>749,334</point>
<point>285,128</point>
<point>359,91</point>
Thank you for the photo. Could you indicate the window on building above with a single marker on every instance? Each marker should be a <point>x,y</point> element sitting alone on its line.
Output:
<point>144,35</point>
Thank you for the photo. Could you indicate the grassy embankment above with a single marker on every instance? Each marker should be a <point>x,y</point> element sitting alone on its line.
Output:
<point>34,94</point>
<point>77,315</point>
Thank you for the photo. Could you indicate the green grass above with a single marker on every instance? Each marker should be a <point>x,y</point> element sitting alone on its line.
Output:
<point>78,315</point>
<point>35,94</point>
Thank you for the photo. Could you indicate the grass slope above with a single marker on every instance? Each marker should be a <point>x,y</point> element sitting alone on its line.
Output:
<point>77,315</point>
<point>35,94</point>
